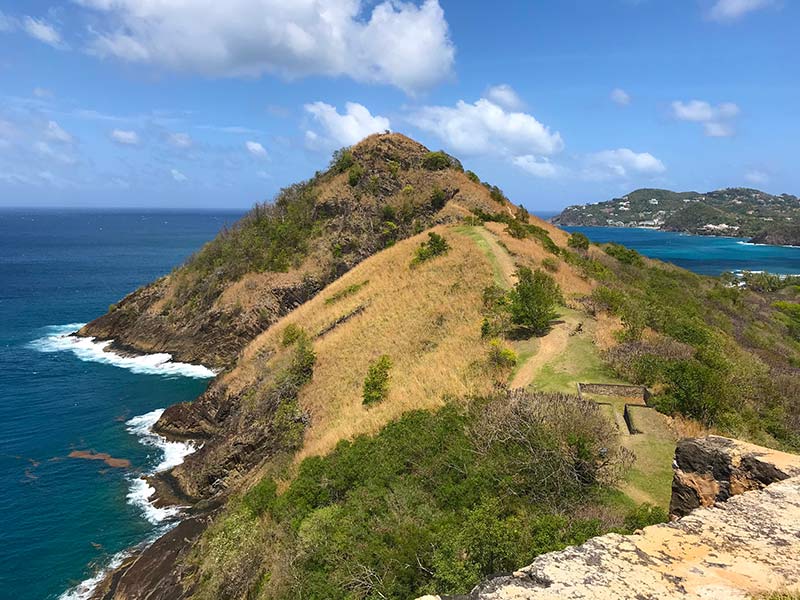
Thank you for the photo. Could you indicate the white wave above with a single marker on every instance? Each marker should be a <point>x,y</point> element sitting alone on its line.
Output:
<point>746,243</point>
<point>59,338</point>
<point>84,590</point>
<point>173,455</point>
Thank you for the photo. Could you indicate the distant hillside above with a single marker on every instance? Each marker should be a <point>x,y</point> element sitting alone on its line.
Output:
<point>740,212</point>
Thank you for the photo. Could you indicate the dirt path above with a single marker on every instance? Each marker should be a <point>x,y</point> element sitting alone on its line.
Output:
<point>550,346</point>
<point>504,260</point>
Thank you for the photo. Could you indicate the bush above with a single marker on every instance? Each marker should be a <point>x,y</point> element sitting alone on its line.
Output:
<point>376,384</point>
<point>438,198</point>
<point>435,246</point>
<point>355,174</point>
<point>578,241</point>
<point>533,301</point>
<point>624,255</point>
<point>501,357</point>
<point>437,161</point>
<point>645,515</point>
<point>342,160</point>
<point>472,176</point>
<point>261,497</point>
<point>291,334</point>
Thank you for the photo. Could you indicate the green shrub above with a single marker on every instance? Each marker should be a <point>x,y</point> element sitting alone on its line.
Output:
<point>291,334</point>
<point>355,174</point>
<point>437,161</point>
<point>645,515</point>
<point>435,246</point>
<point>438,198</point>
<point>472,176</point>
<point>790,315</point>
<point>408,189</point>
<point>342,160</point>
<point>261,497</point>
<point>624,255</point>
<point>112,308</point>
<point>578,240</point>
<point>376,383</point>
<point>500,356</point>
<point>533,301</point>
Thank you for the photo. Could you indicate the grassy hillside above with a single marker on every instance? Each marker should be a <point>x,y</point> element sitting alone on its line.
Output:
<point>366,445</point>
<point>384,189</point>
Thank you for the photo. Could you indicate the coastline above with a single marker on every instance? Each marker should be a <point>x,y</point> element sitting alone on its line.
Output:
<point>162,509</point>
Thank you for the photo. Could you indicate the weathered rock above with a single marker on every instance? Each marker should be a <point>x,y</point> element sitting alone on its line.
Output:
<point>739,548</point>
<point>712,469</point>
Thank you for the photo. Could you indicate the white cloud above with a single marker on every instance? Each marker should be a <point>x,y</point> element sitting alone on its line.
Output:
<point>537,166</point>
<point>757,177</point>
<point>126,138</point>
<point>398,42</point>
<point>486,128</point>
<point>256,149</point>
<point>42,92</point>
<point>178,176</point>
<point>620,96</point>
<point>55,133</point>
<point>622,163</point>
<point>42,31</point>
<point>343,129</point>
<point>505,96</point>
<point>181,140</point>
<point>730,10</point>
<point>716,120</point>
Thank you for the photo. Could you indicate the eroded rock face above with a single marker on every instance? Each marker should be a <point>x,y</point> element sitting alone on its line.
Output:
<point>745,542</point>
<point>711,470</point>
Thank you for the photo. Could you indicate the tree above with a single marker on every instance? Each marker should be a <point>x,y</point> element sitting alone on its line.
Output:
<point>578,241</point>
<point>532,302</point>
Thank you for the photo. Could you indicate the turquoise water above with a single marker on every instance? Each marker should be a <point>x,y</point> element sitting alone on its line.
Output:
<point>61,518</point>
<point>702,254</point>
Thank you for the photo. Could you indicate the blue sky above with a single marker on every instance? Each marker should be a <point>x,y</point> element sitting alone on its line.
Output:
<point>179,103</point>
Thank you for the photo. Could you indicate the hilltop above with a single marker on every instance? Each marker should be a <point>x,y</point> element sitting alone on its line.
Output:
<point>739,212</point>
<point>406,421</point>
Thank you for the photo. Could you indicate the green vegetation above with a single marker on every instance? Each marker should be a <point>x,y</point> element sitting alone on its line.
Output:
<point>342,160</point>
<point>291,334</point>
<point>376,383</point>
<point>578,241</point>
<point>550,264</point>
<point>271,237</point>
<point>518,227</point>
<point>348,291</point>
<point>355,174</point>
<point>501,357</point>
<point>533,300</point>
<point>472,176</point>
<point>623,254</point>
<point>438,161</point>
<point>433,503</point>
<point>438,198</point>
<point>435,246</point>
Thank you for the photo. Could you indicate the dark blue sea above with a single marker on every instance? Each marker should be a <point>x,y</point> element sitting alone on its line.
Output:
<point>61,518</point>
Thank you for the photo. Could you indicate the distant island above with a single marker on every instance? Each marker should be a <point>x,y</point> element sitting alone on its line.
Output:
<point>739,212</point>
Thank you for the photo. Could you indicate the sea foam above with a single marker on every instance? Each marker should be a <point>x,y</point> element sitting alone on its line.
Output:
<point>59,338</point>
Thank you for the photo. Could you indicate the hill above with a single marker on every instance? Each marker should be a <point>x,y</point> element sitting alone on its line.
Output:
<point>739,212</point>
<point>412,425</point>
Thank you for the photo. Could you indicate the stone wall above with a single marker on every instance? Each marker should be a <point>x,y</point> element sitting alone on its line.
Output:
<point>743,540</point>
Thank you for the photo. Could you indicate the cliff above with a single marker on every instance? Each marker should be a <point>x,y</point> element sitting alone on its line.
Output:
<point>744,542</point>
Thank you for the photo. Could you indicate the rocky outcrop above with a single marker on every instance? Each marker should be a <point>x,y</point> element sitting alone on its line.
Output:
<point>779,235</point>
<point>743,542</point>
<point>711,470</point>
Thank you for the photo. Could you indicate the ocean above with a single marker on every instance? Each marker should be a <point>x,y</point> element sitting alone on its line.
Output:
<point>701,254</point>
<point>62,518</point>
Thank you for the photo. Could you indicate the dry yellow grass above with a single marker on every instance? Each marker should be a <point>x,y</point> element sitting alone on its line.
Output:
<point>427,319</point>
